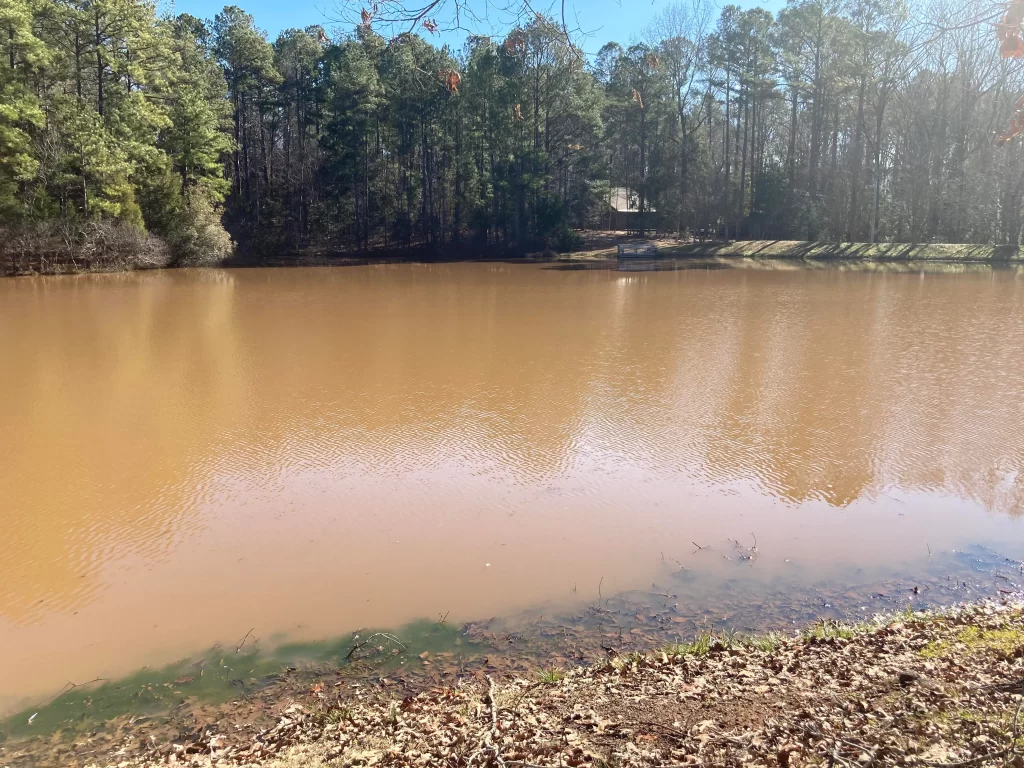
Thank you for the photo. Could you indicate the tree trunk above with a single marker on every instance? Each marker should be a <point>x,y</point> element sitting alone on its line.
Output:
<point>853,229</point>
<point>725,149</point>
<point>684,170</point>
<point>878,171</point>
<point>643,166</point>
<point>235,153</point>
<point>78,64</point>
<point>754,154</point>
<point>99,63</point>
<point>791,158</point>
<point>743,163</point>
<point>812,163</point>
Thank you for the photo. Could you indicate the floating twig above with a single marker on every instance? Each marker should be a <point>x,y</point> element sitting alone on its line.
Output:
<point>239,646</point>
<point>682,568</point>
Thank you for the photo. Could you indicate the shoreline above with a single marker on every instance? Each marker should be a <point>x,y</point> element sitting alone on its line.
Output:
<point>909,689</point>
<point>599,249</point>
<point>940,689</point>
<point>931,688</point>
<point>800,250</point>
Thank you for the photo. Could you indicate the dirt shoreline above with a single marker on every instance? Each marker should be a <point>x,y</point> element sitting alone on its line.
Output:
<point>914,689</point>
<point>598,248</point>
<point>801,250</point>
<point>908,690</point>
<point>603,247</point>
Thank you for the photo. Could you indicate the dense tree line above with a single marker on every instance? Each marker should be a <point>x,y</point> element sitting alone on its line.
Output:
<point>110,115</point>
<point>857,120</point>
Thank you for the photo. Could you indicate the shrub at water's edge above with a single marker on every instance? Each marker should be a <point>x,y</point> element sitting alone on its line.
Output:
<point>168,229</point>
<point>62,247</point>
<point>197,237</point>
<point>57,247</point>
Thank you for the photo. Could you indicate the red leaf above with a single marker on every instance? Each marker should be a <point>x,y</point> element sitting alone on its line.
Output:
<point>1012,48</point>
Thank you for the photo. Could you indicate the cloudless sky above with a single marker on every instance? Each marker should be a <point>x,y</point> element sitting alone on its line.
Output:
<point>601,21</point>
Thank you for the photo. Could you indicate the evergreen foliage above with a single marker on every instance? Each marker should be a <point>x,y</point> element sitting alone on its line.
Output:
<point>830,120</point>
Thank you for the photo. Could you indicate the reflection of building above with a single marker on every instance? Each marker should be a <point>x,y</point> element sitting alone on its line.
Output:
<point>624,211</point>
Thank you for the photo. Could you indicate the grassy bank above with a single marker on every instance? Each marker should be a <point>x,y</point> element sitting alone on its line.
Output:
<point>865,251</point>
<point>924,689</point>
<point>604,247</point>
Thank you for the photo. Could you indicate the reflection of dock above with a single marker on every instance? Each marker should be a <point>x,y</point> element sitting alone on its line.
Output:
<point>648,265</point>
<point>640,257</point>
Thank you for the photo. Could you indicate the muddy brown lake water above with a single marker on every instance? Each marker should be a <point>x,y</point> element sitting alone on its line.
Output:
<point>188,455</point>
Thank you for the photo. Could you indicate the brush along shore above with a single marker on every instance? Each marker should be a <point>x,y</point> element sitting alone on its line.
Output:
<point>939,689</point>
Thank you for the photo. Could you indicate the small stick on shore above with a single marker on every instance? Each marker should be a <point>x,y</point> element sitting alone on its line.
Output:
<point>492,696</point>
<point>355,647</point>
<point>68,686</point>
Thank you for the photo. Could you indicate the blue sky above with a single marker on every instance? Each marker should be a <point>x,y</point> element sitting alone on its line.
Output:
<point>602,20</point>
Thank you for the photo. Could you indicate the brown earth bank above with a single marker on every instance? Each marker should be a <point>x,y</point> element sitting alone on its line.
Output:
<point>908,689</point>
<point>815,251</point>
<point>603,246</point>
<point>109,249</point>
